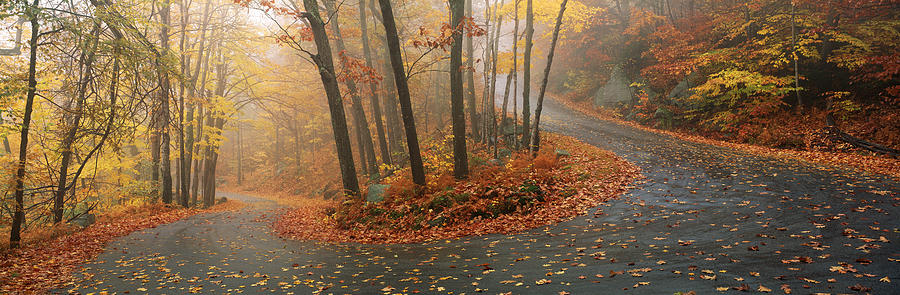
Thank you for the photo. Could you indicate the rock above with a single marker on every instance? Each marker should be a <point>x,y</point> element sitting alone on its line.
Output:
<point>85,220</point>
<point>562,153</point>
<point>616,90</point>
<point>221,200</point>
<point>376,193</point>
<point>683,89</point>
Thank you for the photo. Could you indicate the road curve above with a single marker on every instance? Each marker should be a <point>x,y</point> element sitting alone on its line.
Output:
<point>704,218</point>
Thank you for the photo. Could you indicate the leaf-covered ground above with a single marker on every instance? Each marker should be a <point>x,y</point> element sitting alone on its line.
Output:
<point>497,198</point>
<point>39,267</point>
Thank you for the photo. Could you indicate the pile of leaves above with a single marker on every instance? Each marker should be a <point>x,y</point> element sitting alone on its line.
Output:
<point>38,267</point>
<point>512,194</point>
<point>815,149</point>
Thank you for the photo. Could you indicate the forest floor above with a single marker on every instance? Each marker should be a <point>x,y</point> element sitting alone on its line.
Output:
<point>706,218</point>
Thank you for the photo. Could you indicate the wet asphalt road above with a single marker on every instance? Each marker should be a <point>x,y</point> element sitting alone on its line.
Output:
<point>704,218</point>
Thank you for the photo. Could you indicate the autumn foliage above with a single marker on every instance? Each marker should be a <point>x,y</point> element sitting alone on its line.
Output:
<point>726,70</point>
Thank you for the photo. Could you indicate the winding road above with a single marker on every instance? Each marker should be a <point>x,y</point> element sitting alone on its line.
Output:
<point>705,218</point>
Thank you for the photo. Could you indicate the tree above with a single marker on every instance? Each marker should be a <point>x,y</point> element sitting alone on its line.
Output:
<point>72,125</point>
<point>485,74</point>
<point>794,54</point>
<point>512,73</point>
<point>457,114</point>
<point>409,121</point>
<point>391,113</point>
<point>470,77</point>
<point>163,117</point>
<point>494,51</point>
<point>515,74</point>
<point>526,76</point>
<point>364,135</point>
<point>373,86</point>
<point>188,122</point>
<point>215,122</point>
<point>32,12</point>
<point>535,139</point>
<point>325,64</point>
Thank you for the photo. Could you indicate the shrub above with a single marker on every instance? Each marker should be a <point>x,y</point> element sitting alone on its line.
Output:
<point>501,207</point>
<point>402,188</point>
<point>439,202</point>
<point>529,186</point>
<point>545,161</point>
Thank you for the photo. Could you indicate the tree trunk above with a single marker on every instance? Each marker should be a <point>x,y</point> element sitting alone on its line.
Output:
<point>486,73</point>
<point>6,144</point>
<point>325,64</point>
<point>535,139</point>
<point>198,160</point>
<point>389,100</point>
<point>71,128</point>
<point>390,105</point>
<point>154,147</point>
<point>457,112</point>
<point>373,87</point>
<point>409,121</point>
<point>526,78</point>
<point>206,194</point>
<point>505,106</point>
<point>276,147</point>
<point>216,123</point>
<point>297,151</point>
<point>190,163</point>
<point>494,53</point>
<point>360,150</point>
<point>19,207</point>
<point>164,87</point>
<point>515,78</point>
<point>794,54</point>
<point>240,155</point>
<point>470,78</point>
<point>183,162</point>
<point>209,167</point>
<point>512,71</point>
<point>359,113</point>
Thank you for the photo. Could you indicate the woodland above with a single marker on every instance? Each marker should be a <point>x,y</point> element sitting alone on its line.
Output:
<point>421,122</point>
